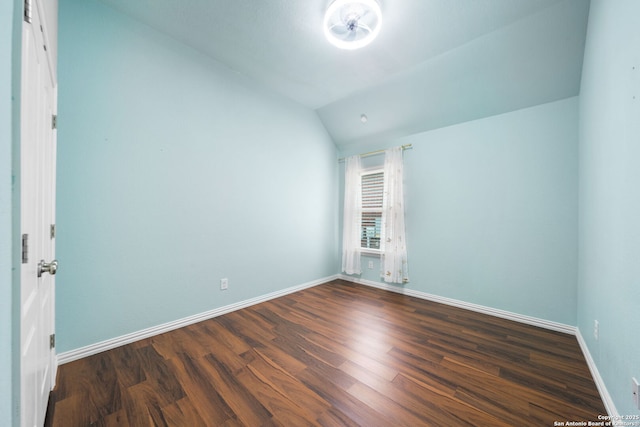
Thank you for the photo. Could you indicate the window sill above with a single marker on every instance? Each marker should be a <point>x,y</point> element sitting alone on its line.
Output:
<point>370,252</point>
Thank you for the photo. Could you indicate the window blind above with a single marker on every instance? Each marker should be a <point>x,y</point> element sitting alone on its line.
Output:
<point>372,194</point>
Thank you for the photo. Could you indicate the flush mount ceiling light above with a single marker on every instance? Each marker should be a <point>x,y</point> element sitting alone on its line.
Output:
<point>352,24</point>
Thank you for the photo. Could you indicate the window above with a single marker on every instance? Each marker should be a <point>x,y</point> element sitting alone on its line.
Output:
<point>374,216</point>
<point>372,195</point>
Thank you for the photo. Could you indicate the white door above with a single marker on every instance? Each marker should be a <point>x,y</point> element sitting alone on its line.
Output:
<point>37,189</point>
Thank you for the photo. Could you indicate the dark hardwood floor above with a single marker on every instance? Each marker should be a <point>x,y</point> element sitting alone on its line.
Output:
<point>338,354</point>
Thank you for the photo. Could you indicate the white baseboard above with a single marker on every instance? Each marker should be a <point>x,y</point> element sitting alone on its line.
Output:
<point>602,389</point>
<point>554,326</point>
<point>79,353</point>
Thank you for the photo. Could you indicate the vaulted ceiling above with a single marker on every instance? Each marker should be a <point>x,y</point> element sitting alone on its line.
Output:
<point>435,62</point>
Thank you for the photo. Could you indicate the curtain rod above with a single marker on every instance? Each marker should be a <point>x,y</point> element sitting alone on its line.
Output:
<point>373,153</point>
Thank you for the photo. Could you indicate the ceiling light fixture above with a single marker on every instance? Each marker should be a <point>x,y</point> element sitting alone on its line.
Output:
<point>352,24</point>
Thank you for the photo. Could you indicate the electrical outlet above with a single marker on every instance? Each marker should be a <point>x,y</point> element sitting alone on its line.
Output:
<point>224,284</point>
<point>370,265</point>
<point>636,392</point>
<point>596,329</point>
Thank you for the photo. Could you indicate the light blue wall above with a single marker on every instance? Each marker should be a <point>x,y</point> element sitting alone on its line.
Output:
<point>174,172</point>
<point>492,211</point>
<point>10,45</point>
<point>609,273</point>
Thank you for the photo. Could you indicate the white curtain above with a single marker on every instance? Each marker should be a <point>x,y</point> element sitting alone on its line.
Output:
<point>352,216</point>
<point>393,260</point>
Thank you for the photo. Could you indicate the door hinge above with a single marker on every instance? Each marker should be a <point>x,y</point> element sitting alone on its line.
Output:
<point>54,121</point>
<point>25,248</point>
<point>52,341</point>
<point>27,11</point>
<point>52,231</point>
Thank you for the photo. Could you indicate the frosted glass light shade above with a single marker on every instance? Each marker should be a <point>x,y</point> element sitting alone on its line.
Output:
<point>352,24</point>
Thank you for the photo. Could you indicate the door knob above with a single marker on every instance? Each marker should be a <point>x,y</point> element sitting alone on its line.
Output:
<point>50,268</point>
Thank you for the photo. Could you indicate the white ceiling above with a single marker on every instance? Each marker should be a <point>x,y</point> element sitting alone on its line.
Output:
<point>435,62</point>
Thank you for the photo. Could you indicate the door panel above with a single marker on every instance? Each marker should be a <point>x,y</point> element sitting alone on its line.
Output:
<point>37,189</point>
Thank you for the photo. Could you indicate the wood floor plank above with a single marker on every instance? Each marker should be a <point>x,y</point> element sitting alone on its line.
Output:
<point>74,410</point>
<point>182,413</point>
<point>240,399</point>
<point>446,412</point>
<point>201,390</point>
<point>337,354</point>
<point>218,336</point>
<point>392,409</point>
<point>286,384</point>
<point>127,365</point>
<point>334,390</point>
<point>282,407</point>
